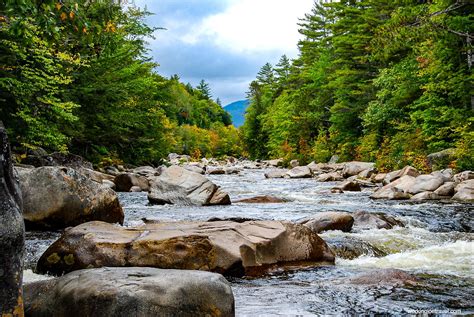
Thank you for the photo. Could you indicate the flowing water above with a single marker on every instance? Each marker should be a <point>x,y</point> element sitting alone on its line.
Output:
<point>436,245</point>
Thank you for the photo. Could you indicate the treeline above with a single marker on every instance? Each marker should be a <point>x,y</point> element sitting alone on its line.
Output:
<point>384,81</point>
<point>75,76</point>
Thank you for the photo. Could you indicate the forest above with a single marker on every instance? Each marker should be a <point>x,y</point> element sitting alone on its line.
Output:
<point>381,81</point>
<point>375,80</point>
<point>75,76</point>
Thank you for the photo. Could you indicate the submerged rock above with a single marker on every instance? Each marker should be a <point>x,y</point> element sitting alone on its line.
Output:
<point>131,291</point>
<point>367,220</point>
<point>331,220</point>
<point>177,185</point>
<point>12,234</point>
<point>261,200</point>
<point>346,247</point>
<point>226,247</point>
<point>58,197</point>
<point>391,277</point>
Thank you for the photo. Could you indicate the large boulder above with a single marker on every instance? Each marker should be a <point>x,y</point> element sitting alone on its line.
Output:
<point>355,167</point>
<point>275,162</point>
<point>125,181</point>
<point>130,291</point>
<point>58,197</point>
<point>465,191</point>
<point>12,234</point>
<point>424,183</point>
<point>367,220</point>
<point>299,172</point>
<point>195,169</point>
<point>177,185</point>
<point>397,189</point>
<point>226,247</point>
<point>331,220</point>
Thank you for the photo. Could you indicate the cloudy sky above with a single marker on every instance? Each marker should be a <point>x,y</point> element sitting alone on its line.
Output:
<point>224,42</point>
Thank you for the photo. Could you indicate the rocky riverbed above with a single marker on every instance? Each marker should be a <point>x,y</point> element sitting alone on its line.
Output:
<point>431,242</point>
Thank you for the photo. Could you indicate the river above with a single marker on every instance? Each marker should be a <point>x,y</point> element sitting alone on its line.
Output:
<point>436,246</point>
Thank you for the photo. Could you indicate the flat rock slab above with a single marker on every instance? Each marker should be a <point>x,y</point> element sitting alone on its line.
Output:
<point>227,247</point>
<point>130,292</point>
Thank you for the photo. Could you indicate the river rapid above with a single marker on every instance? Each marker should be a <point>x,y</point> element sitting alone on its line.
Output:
<point>436,245</point>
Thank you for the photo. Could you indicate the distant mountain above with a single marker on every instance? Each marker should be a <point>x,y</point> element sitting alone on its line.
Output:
<point>237,111</point>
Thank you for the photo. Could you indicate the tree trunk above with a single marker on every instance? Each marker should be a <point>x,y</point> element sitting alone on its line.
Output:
<point>12,234</point>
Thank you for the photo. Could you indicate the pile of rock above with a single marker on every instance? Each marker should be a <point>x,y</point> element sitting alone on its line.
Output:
<point>409,184</point>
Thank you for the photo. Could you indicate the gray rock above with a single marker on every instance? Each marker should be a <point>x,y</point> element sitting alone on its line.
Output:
<point>355,167</point>
<point>331,220</point>
<point>275,162</point>
<point>147,171</point>
<point>215,170</point>
<point>330,177</point>
<point>463,176</point>
<point>276,173</point>
<point>349,186</point>
<point>407,170</point>
<point>59,197</point>
<point>465,191</point>
<point>397,189</point>
<point>427,196</point>
<point>447,189</point>
<point>366,174</point>
<point>125,181</point>
<point>294,163</point>
<point>424,183</point>
<point>130,291</point>
<point>112,170</point>
<point>179,186</point>
<point>58,159</point>
<point>299,172</point>
<point>379,178</point>
<point>194,169</point>
<point>12,234</point>
<point>334,159</point>
<point>96,176</point>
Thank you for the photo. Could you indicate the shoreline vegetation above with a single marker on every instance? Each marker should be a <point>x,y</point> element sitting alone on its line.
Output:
<point>382,82</point>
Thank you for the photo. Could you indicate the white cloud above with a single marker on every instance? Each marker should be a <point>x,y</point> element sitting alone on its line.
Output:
<point>252,26</point>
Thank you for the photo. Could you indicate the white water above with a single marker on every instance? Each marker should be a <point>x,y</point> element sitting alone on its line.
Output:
<point>455,258</point>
